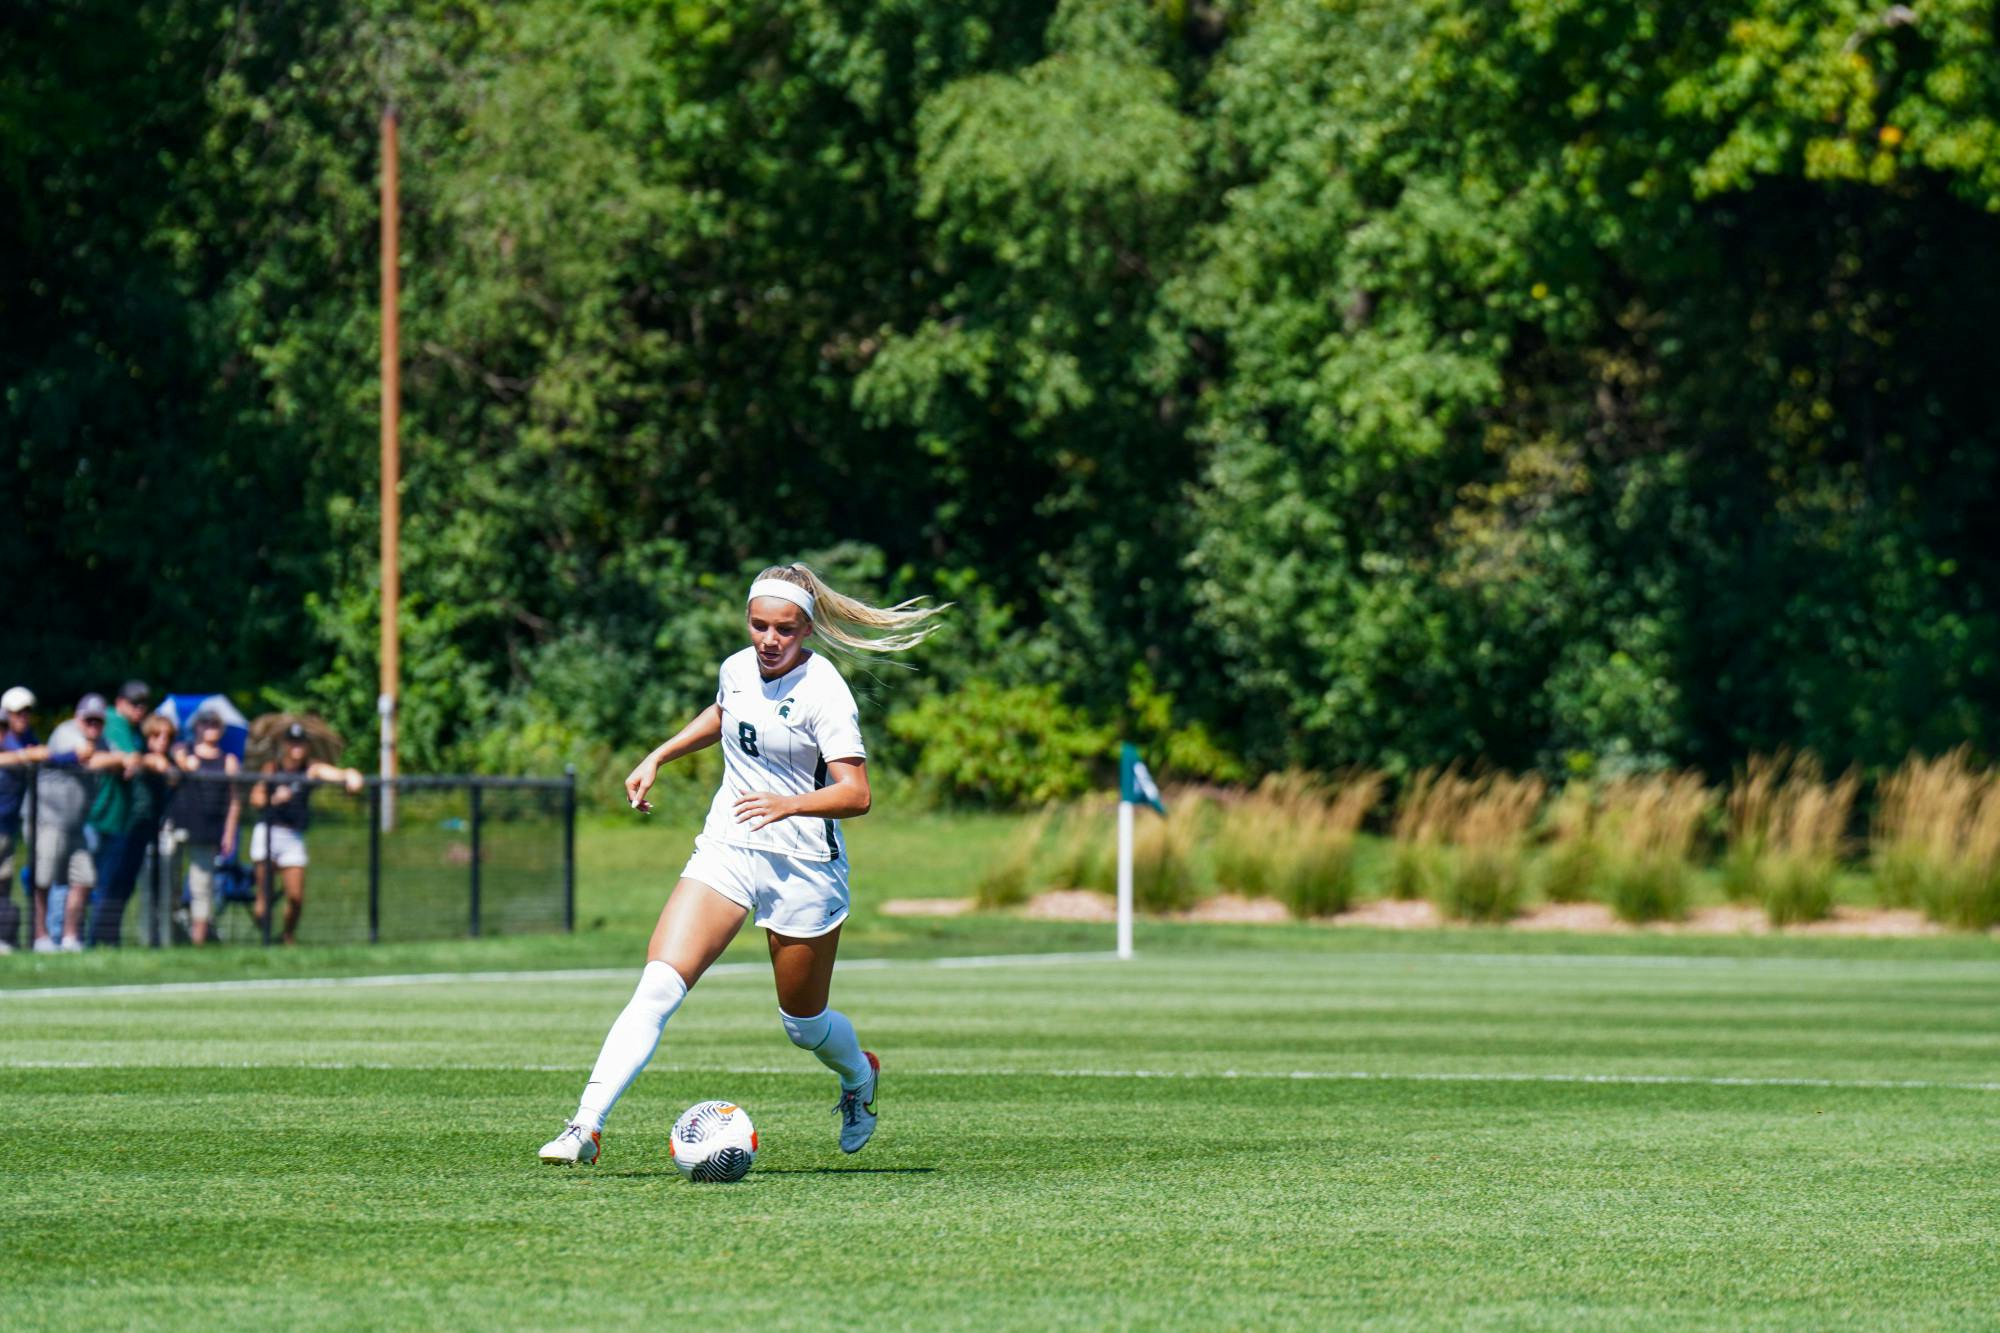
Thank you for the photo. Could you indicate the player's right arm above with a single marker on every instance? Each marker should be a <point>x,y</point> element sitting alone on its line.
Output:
<point>704,731</point>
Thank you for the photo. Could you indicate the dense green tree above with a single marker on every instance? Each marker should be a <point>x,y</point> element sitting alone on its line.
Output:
<point>1563,382</point>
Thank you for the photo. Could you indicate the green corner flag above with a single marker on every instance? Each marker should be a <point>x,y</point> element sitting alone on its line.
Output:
<point>1135,783</point>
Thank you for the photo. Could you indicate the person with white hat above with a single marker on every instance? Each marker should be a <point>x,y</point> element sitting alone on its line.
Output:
<point>20,748</point>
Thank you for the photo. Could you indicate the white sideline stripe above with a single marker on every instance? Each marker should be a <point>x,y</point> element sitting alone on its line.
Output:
<point>558,974</point>
<point>1610,960</point>
<point>1280,1076</point>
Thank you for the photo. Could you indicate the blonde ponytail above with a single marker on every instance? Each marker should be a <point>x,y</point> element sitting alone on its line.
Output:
<point>846,623</point>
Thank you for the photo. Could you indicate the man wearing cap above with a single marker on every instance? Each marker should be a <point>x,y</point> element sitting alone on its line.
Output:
<point>64,789</point>
<point>119,814</point>
<point>19,748</point>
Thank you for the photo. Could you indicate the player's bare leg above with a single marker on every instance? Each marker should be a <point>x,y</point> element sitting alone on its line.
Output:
<point>694,928</point>
<point>803,970</point>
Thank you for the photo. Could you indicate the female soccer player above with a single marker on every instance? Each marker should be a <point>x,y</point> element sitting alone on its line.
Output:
<point>793,765</point>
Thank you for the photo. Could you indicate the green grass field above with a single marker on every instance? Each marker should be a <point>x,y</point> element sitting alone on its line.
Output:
<point>1277,1126</point>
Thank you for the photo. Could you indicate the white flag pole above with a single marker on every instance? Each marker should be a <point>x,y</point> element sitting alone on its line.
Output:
<point>1124,879</point>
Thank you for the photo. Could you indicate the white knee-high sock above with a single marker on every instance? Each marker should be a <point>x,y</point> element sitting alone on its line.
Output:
<point>830,1036</point>
<point>631,1042</point>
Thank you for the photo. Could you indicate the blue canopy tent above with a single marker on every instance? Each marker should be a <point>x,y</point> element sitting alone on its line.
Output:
<point>180,709</point>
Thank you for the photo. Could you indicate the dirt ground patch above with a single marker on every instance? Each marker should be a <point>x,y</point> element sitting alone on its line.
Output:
<point>1231,907</point>
<point>1397,914</point>
<point>1393,913</point>
<point>928,906</point>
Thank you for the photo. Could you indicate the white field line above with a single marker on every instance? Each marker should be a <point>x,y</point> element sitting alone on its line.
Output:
<point>1612,960</point>
<point>559,974</point>
<point>1278,1076</point>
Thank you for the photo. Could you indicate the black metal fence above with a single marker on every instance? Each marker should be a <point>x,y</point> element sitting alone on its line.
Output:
<point>463,856</point>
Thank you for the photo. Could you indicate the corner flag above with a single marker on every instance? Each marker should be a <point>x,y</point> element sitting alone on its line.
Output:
<point>1135,782</point>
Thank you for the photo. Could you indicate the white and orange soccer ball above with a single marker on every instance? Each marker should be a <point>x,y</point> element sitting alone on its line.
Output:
<point>713,1142</point>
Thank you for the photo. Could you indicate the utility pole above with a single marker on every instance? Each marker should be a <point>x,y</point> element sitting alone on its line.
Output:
<point>392,507</point>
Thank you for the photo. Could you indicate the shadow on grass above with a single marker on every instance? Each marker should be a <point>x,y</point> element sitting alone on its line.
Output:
<point>850,1171</point>
<point>640,1173</point>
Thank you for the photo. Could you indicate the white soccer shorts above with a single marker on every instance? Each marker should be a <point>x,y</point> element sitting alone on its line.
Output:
<point>785,894</point>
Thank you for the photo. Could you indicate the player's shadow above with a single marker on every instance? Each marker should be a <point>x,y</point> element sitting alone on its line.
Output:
<point>642,1173</point>
<point>848,1171</point>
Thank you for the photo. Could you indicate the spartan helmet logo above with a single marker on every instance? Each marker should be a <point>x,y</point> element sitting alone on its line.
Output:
<point>785,709</point>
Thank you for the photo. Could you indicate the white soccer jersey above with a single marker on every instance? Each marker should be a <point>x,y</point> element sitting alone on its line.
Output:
<point>777,736</point>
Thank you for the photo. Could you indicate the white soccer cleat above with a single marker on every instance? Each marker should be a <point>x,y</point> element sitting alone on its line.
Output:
<point>856,1109</point>
<point>575,1146</point>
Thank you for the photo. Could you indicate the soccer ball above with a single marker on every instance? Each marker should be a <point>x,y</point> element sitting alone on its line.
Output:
<point>713,1142</point>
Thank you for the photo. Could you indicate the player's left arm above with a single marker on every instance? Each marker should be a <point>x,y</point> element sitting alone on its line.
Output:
<point>845,796</point>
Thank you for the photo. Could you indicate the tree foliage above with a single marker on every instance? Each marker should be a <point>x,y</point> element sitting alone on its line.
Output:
<point>1566,382</point>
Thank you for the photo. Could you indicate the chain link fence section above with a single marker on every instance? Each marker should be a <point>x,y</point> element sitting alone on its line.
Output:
<point>467,856</point>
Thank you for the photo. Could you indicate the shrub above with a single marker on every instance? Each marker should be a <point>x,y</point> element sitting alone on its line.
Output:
<point>1787,825</point>
<point>1431,804</point>
<point>1485,879</point>
<point>1084,852</point>
<point>1751,799</point>
<point>1571,868</point>
<point>1163,873</point>
<point>1318,876</point>
<point>984,745</point>
<point>1293,839</point>
<point>1650,826</point>
<point>1937,840</point>
<point>1009,880</point>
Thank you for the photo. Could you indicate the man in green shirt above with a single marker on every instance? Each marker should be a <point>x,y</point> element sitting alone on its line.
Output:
<point>114,824</point>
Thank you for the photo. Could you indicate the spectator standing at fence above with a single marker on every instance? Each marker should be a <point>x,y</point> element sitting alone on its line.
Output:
<point>206,813</point>
<point>20,749</point>
<point>151,790</point>
<point>280,836</point>
<point>115,813</point>
<point>64,788</point>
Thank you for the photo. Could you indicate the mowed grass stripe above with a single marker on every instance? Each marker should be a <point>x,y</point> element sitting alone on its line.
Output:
<point>1469,1177</point>
<point>1336,1075</point>
<point>1192,1015</point>
<point>1004,1201</point>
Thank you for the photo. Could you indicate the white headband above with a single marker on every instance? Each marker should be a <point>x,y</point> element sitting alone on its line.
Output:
<point>784,592</point>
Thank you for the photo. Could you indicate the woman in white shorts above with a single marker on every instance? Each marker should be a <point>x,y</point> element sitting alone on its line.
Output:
<point>793,766</point>
<point>279,839</point>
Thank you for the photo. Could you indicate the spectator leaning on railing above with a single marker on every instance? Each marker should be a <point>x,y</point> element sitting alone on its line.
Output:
<point>64,788</point>
<point>151,791</point>
<point>205,815</point>
<point>123,816</point>
<point>19,748</point>
<point>281,838</point>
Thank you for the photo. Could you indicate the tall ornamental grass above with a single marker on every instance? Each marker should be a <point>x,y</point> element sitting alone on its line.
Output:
<point>1574,861</point>
<point>1293,839</point>
<point>1076,847</point>
<point>1647,830</point>
<point>1483,877</point>
<point>1936,842</point>
<point>1787,828</point>
<point>1164,877</point>
<point>1082,850</point>
<point>1008,881</point>
<point>1432,804</point>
